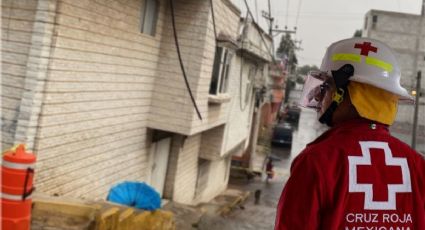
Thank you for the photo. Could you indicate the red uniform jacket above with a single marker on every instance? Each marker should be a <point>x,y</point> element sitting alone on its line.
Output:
<point>356,176</point>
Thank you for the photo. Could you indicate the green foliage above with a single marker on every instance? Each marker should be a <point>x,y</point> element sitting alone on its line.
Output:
<point>358,34</point>
<point>287,48</point>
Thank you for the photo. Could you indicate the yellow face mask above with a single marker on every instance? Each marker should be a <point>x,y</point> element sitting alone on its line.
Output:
<point>373,103</point>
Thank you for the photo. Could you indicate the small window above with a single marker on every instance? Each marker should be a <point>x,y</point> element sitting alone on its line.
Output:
<point>374,21</point>
<point>149,17</point>
<point>221,69</point>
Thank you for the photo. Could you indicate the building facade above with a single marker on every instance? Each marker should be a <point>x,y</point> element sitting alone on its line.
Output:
<point>405,34</point>
<point>96,89</point>
<point>253,60</point>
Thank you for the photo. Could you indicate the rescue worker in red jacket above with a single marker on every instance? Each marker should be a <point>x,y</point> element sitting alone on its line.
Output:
<point>355,176</point>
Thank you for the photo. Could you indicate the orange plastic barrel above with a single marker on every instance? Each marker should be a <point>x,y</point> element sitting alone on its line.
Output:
<point>17,172</point>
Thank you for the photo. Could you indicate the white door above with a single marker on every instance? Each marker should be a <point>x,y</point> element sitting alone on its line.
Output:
<point>161,150</point>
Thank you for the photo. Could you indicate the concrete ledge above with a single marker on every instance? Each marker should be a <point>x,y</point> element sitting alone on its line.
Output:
<point>61,213</point>
<point>64,215</point>
<point>225,202</point>
<point>219,99</point>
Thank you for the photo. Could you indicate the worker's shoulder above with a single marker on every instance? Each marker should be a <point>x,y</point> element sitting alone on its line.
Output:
<point>401,148</point>
<point>322,151</point>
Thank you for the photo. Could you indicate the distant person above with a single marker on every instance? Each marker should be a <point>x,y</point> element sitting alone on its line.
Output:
<point>269,170</point>
<point>355,175</point>
<point>257,196</point>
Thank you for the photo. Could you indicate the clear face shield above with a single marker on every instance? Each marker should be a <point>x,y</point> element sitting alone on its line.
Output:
<point>315,86</point>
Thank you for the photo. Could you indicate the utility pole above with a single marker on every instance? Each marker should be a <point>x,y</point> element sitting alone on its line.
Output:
<point>415,117</point>
<point>274,32</point>
<point>419,76</point>
<point>271,19</point>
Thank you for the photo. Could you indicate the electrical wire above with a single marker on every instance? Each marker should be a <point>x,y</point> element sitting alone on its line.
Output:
<point>321,13</point>
<point>287,13</point>
<point>256,8</point>
<point>181,61</point>
<point>259,32</point>
<point>261,35</point>
<point>213,19</point>
<point>298,12</point>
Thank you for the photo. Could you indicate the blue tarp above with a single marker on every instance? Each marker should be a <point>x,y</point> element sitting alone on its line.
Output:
<point>135,194</point>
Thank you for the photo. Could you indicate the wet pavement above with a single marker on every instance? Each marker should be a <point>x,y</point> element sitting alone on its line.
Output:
<point>308,129</point>
<point>251,216</point>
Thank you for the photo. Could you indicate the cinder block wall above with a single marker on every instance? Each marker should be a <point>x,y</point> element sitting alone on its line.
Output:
<point>170,93</point>
<point>89,86</point>
<point>197,45</point>
<point>17,27</point>
<point>212,142</point>
<point>177,143</point>
<point>227,22</point>
<point>92,126</point>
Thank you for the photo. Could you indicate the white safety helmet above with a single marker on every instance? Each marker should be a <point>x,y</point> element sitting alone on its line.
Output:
<point>373,61</point>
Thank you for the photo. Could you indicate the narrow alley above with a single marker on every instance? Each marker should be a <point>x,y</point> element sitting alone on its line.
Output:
<point>262,215</point>
<point>250,215</point>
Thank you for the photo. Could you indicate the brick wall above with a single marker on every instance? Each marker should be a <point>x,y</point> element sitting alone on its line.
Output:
<point>227,22</point>
<point>177,143</point>
<point>91,79</point>
<point>197,45</point>
<point>211,143</point>
<point>92,127</point>
<point>170,92</point>
<point>182,172</point>
<point>218,177</point>
<point>187,170</point>
<point>17,26</point>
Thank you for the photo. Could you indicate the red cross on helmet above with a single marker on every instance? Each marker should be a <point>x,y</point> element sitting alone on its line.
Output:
<point>374,63</point>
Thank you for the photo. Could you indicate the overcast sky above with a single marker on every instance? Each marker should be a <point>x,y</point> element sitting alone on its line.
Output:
<point>321,22</point>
